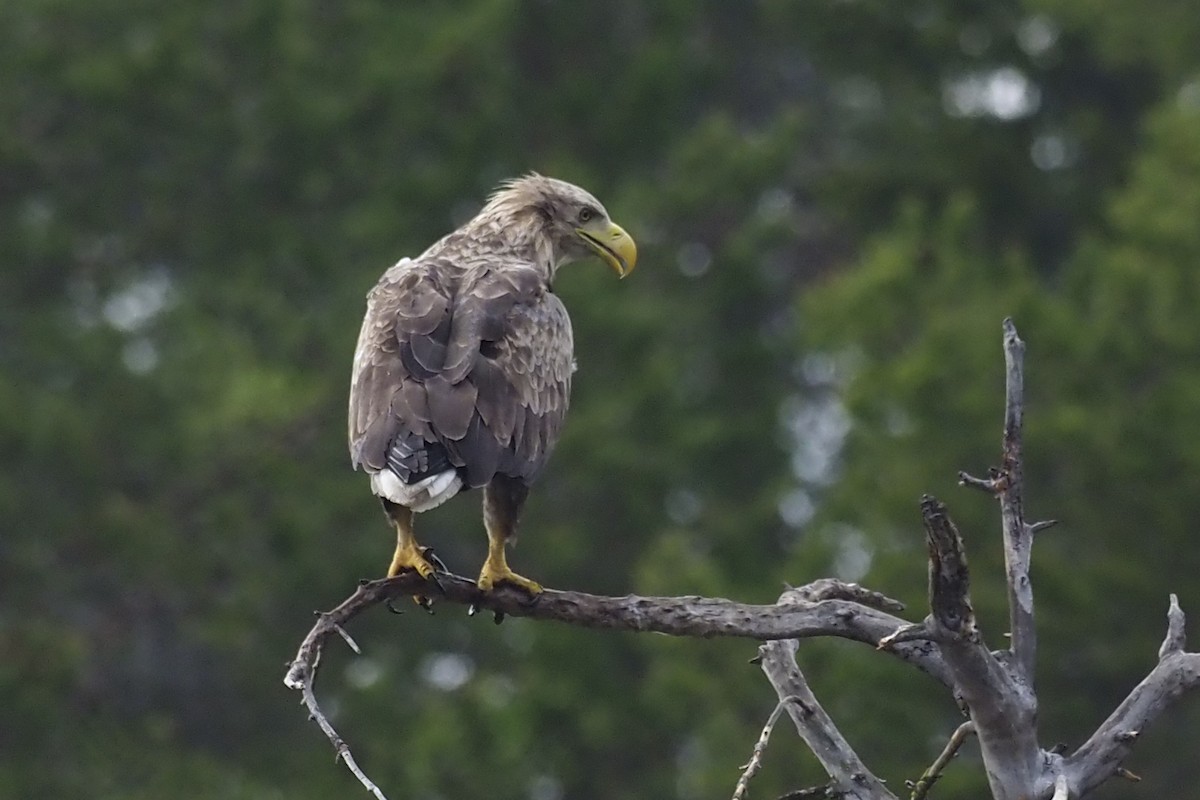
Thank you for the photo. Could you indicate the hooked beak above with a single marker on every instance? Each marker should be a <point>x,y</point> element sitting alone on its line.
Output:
<point>614,246</point>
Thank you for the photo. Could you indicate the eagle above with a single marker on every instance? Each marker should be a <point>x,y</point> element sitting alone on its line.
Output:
<point>462,373</point>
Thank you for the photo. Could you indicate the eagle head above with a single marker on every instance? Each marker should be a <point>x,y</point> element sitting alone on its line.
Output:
<point>560,219</point>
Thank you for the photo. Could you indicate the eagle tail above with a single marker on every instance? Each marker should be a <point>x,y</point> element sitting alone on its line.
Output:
<point>418,474</point>
<point>413,459</point>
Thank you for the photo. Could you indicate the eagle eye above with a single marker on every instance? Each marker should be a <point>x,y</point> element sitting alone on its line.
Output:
<point>586,213</point>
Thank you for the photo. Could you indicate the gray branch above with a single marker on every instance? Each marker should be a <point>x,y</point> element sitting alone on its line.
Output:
<point>823,608</point>
<point>1001,707</point>
<point>848,612</point>
<point>849,776</point>
<point>921,786</point>
<point>995,688</point>
<point>752,766</point>
<point>1018,541</point>
<point>1100,756</point>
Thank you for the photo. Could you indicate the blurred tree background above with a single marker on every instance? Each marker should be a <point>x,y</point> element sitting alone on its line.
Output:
<point>836,202</point>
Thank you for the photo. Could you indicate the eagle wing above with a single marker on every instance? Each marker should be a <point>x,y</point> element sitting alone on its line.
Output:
<point>460,368</point>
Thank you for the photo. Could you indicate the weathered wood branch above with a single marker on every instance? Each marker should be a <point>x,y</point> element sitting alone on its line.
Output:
<point>1007,484</point>
<point>823,608</point>
<point>1002,708</point>
<point>994,688</point>
<point>921,786</point>
<point>751,767</point>
<point>849,776</point>
<point>1177,671</point>
<point>998,688</point>
<point>1018,541</point>
<point>867,618</point>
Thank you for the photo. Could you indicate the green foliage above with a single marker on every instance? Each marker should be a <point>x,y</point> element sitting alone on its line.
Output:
<point>194,201</point>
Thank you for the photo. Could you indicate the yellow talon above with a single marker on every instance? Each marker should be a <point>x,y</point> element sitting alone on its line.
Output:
<point>409,554</point>
<point>411,557</point>
<point>493,574</point>
<point>502,501</point>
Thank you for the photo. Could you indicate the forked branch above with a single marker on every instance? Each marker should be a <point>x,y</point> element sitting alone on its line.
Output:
<point>1177,671</point>
<point>823,608</point>
<point>996,688</point>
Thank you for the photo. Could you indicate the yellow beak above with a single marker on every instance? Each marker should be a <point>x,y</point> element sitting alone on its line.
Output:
<point>614,246</point>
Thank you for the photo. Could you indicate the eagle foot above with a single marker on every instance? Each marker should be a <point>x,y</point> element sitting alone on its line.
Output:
<point>425,563</point>
<point>491,576</point>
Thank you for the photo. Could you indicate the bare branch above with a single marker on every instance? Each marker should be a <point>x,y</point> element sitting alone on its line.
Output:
<point>341,749</point>
<point>1017,540</point>
<point>1038,527</point>
<point>1002,708</point>
<point>850,777</point>
<point>1127,775</point>
<point>678,616</point>
<point>823,608</point>
<point>949,578</point>
<point>760,748</point>
<point>913,632</point>
<point>988,484</point>
<point>1176,638</point>
<point>811,793</point>
<point>353,645</point>
<point>994,688</point>
<point>833,589</point>
<point>922,785</point>
<point>1100,756</point>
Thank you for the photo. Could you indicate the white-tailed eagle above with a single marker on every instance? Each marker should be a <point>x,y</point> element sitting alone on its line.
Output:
<point>462,374</point>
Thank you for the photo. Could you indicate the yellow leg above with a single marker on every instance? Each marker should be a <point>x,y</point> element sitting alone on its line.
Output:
<point>409,554</point>
<point>496,570</point>
<point>502,500</point>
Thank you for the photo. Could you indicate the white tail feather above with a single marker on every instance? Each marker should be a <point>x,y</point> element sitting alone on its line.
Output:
<point>423,495</point>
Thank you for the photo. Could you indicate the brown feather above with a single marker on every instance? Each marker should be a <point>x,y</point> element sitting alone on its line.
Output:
<point>467,349</point>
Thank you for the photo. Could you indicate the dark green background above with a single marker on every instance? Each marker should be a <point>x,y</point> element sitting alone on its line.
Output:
<point>836,204</point>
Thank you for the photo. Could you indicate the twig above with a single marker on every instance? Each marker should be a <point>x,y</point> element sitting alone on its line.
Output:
<point>914,632</point>
<point>342,750</point>
<point>353,645</point>
<point>1176,638</point>
<point>811,793</point>
<point>921,787</point>
<point>989,484</point>
<point>1127,775</point>
<point>760,747</point>
<point>1101,755</point>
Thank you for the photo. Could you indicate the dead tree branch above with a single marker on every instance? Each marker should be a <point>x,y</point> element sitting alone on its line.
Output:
<point>849,776</point>
<point>1018,543</point>
<point>1001,707</point>
<point>1101,755</point>
<point>823,608</point>
<point>995,688</point>
<point>1008,485</point>
<point>752,766</point>
<point>921,786</point>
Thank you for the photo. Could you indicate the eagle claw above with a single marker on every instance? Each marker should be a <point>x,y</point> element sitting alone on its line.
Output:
<point>425,563</point>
